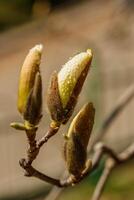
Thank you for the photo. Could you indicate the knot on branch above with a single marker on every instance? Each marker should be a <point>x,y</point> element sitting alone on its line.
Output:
<point>29,170</point>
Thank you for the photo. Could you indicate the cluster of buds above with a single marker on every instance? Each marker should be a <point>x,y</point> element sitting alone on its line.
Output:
<point>62,97</point>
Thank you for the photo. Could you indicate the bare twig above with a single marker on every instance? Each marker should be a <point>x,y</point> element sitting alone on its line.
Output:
<point>110,163</point>
<point>101,149</point>
<point>32,172</point>
<point>51,132</point>
<point>33,151</point>
<point>100,186</point>
<point>34,146</point>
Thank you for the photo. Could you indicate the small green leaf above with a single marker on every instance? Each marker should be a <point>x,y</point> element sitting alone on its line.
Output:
<point>18,126</point>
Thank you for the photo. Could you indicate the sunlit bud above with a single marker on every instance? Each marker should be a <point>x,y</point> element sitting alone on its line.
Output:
<point>70,74</point>
<point>75,148</point>
<point>33,108</point>
<point>27,76</point>
<point>66,86</point>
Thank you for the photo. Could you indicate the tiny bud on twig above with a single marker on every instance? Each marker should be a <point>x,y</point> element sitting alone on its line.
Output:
<point>33,109</point>
<point>18,126</point>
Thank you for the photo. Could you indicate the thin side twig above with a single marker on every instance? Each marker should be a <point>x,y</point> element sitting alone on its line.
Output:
<point>33,151</point>
<point>51,132</point>
<point>101,184</point>
<point>111,163</point>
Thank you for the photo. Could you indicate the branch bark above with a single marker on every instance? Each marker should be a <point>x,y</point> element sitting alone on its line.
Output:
<point>102,182</point>
<point>111,163</point>
<point>33,151</point>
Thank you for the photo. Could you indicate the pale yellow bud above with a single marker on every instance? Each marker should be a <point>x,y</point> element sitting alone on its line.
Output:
<point>82,124</point>
<point>27,76</point>
<point>70,73</point>
<point>75,147</point>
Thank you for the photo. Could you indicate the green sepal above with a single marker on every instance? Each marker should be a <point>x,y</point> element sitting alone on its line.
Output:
<point>18,126</point>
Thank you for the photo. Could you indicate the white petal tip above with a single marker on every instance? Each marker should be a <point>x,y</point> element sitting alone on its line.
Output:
<point>89,51</point>
<point>38,47</point>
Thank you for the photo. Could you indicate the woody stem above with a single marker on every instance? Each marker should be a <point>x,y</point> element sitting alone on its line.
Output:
<point>32,153</point>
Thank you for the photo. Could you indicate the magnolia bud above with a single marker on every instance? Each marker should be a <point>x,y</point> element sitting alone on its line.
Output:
<point>27,76</point>
<point>75,148</point>
<point>33,108</point>
<point>65,86</point>
<point>70,73</point>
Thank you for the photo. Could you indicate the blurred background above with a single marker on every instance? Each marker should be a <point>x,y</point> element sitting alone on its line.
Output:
<point>66,27</point>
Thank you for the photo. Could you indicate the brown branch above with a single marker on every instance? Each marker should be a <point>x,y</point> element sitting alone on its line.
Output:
<point>121,104</point>
<point>101,184</point>
<point>111,163</point>
<point>33,151</point>
<point>32,172</point>
<point>51,132</point>
<point>34,146</point>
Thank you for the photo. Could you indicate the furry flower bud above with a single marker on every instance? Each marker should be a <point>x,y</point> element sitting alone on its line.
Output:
<point>33,109</point>
<point>27,76</point>
<point>70,73</point>
<point>66,86</point>
<point>75,147</point>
